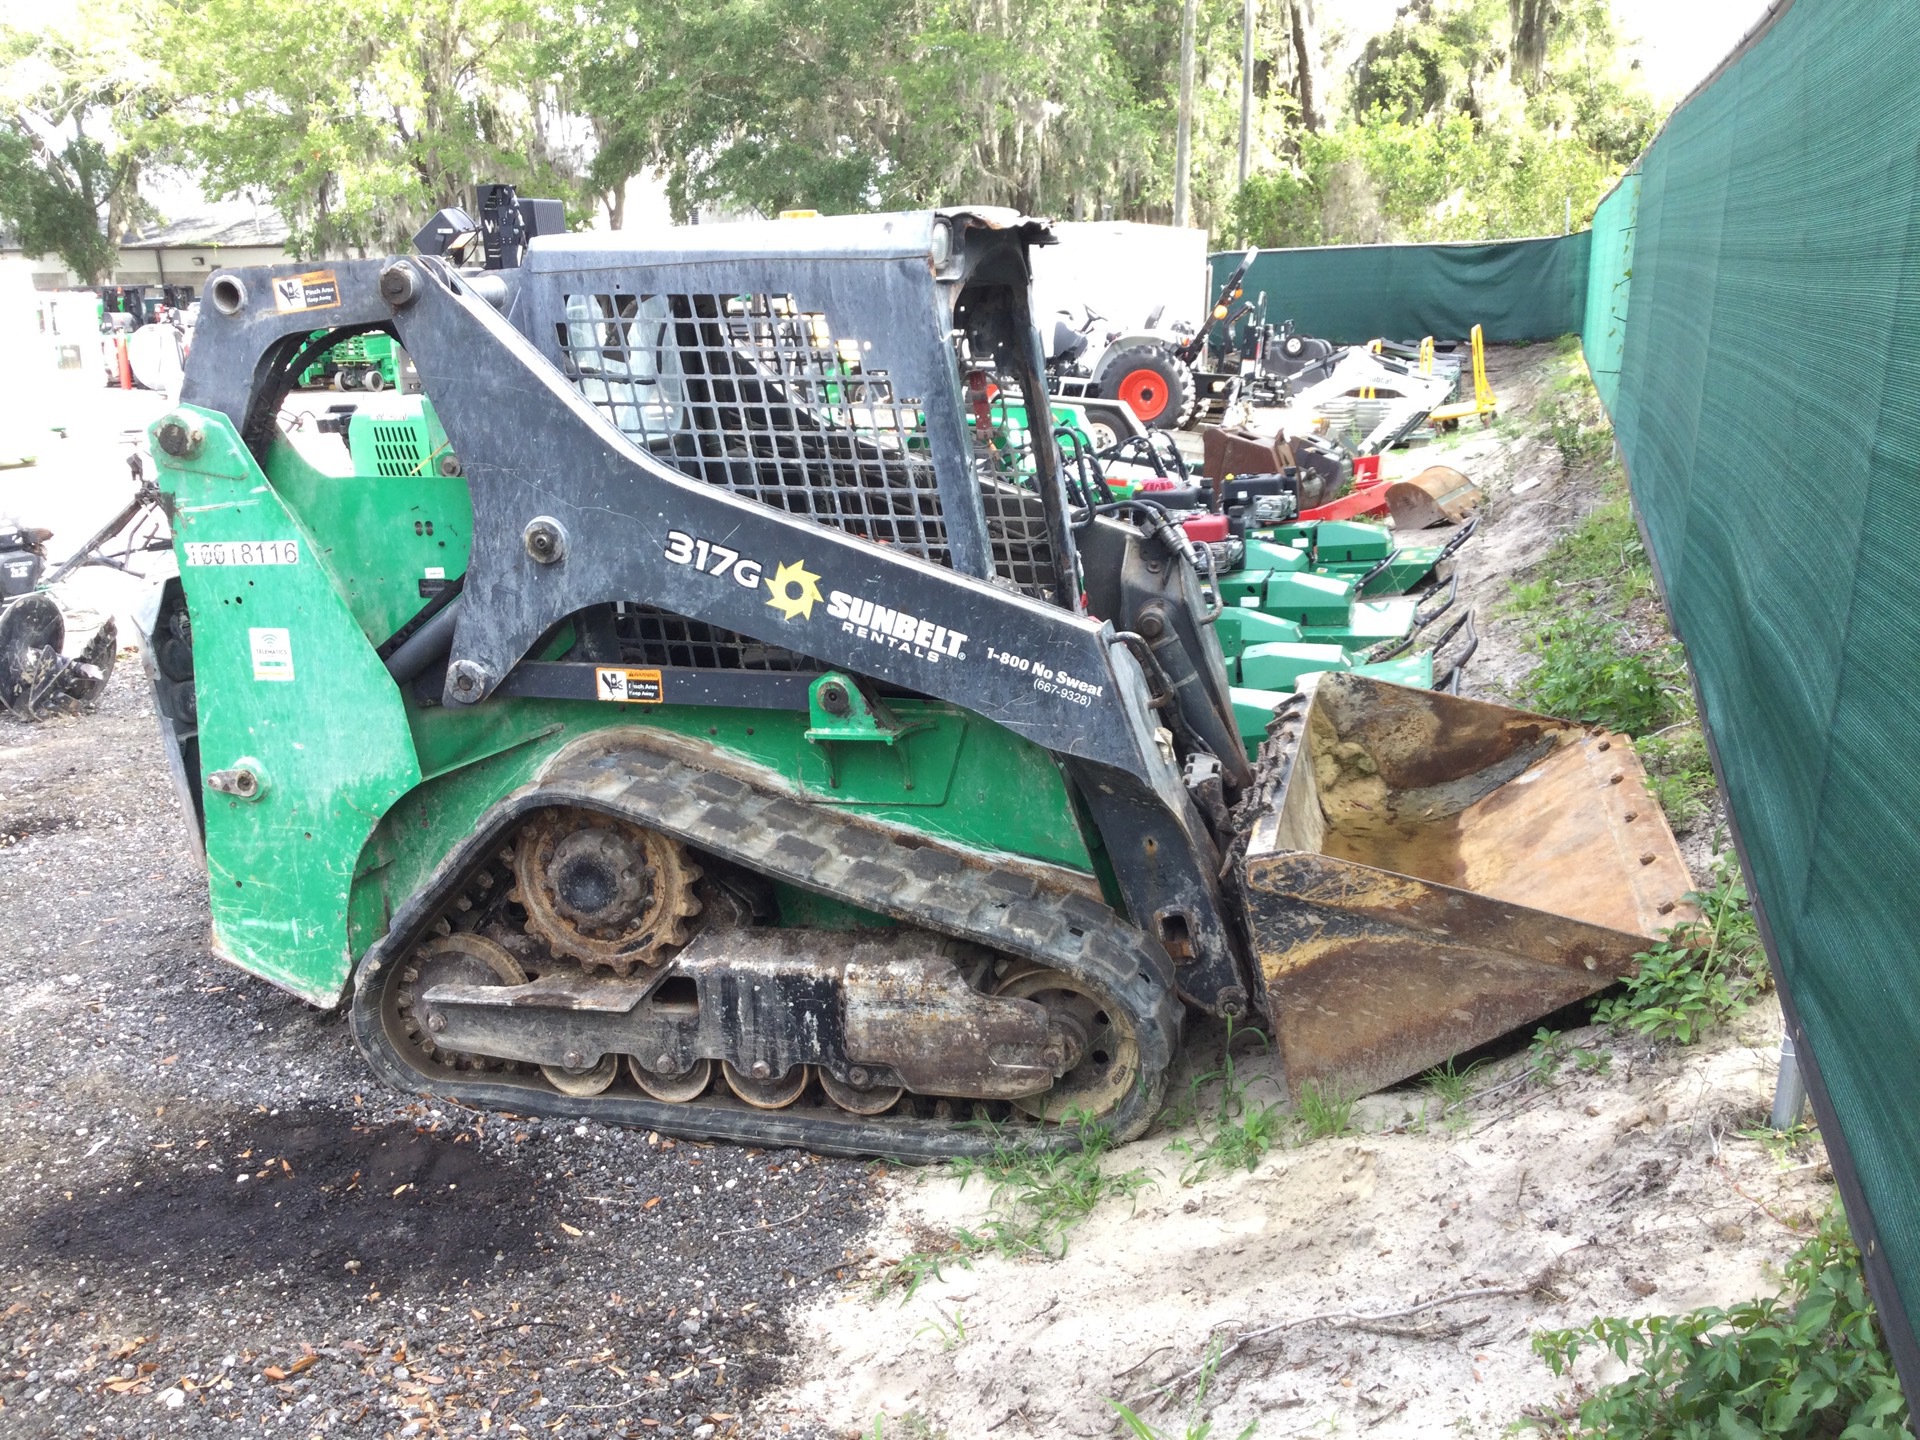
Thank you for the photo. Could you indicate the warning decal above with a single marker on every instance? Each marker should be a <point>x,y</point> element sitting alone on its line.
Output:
<point>315,290</point>
<point>628,687</point>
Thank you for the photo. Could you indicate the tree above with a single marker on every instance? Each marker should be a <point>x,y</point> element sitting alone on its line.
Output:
<point>1533,24</point>
<point>76,95</point>
<point>359,121</point>
<point>1438,58</point>
<point>1305,35</point>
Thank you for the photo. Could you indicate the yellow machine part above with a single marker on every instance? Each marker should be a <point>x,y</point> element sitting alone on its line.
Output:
<point>1484,403</point>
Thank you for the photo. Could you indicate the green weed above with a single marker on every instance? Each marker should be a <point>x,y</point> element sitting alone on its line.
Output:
<point>1679,771</point>
<point>1544,1055</point>
<point>913,1426</point>
<point>1453,1087</point>
<point>1782,1145</point>
<point>1593,1062</point>
<point>1805,1362</point>
<point>1242,1131</point>
<point>1701,974</point>
<point>1194,1426</point>
<point>1035,1198</point>
<point>949,1330</point>
<point>1526,596</point>
<point>1325,1114</point>
<point>1584,673</point>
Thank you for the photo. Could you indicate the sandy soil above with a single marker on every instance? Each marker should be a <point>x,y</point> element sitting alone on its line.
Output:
<point>1616,1193</point>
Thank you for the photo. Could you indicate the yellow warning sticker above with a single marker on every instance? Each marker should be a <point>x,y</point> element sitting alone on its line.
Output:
<point>627,687</point>
<point>315,290</point>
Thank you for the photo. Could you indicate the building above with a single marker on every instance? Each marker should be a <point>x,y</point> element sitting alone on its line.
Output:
<point>183,251</point>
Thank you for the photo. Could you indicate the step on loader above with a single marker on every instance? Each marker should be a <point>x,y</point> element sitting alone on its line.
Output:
<point>678,714</point>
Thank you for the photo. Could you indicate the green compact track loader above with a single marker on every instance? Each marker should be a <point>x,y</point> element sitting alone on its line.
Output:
<point>680,714</point>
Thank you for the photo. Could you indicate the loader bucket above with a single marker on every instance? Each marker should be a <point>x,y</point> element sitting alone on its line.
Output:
<point>1438,495</point>
<point>1435,872</point>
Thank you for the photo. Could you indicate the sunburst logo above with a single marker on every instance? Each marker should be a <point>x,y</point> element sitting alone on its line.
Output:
<point>796,590</point>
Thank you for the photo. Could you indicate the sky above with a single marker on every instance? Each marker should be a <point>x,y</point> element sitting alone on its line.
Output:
<point>1679,41</point>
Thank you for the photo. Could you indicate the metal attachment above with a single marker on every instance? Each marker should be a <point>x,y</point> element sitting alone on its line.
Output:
<point>399,284</point>
<point>228,293</point>
<point>449,465</point>
<point>436,1023</point>
<point>467,681</point>
<point>761,1070</point>
<point>243,782</point>
<point>490,288</point>
<point>858,1075</point>
<point>545,539</point>
<point>180,437</point>
<point>834,699</point>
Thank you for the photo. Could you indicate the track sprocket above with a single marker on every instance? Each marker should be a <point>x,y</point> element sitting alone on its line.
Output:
<point>603,891</point>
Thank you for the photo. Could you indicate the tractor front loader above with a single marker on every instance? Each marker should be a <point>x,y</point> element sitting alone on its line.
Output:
<point>681,714</point>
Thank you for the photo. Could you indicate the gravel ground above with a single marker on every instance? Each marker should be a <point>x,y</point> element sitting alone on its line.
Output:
<point>212,1219</point>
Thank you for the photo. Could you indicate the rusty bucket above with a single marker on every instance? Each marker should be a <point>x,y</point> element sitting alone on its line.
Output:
<point>1434,872</point>
<point>1438,495</point>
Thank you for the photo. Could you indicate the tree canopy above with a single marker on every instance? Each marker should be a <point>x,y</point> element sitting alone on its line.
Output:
<point>1465,117</point>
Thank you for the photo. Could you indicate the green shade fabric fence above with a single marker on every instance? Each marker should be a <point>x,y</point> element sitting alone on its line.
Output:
<point>1350,294</point>
<point>1760,288</point>
<point>1749,303</point>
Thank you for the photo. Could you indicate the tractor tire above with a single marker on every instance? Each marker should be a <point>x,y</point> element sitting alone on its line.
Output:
<point>1152,382</point>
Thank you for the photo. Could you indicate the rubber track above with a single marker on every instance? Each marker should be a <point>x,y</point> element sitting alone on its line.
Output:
<point>905,874</point>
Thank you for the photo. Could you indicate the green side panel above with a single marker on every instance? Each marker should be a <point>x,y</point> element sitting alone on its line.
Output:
<point>1411,670</point>
<point>1309,600</point>
<point>1240,626</point>
<point>1350,294</point>
<point>1279,667</point>
<point>1367,624</point>
<point>804,910</point>
<point>392,541</point>
<point>1408,568</point>
<point>1279,558</point>
<point>1768,408</point>
<point>1244,587</point>
<point>1252,709</point>
<point>288,687</point>
<point>958,776</point>
<point>1339,542</point>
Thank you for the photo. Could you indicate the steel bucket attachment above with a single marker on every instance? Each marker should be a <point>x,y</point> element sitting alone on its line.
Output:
<point>1434,872</point>
<point>1438,495</point>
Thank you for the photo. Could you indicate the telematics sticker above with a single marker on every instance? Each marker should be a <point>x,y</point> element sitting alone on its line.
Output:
<point>629,687</point>
<point>243,552</point>
<point>315,290</point>
<point>272,654</point>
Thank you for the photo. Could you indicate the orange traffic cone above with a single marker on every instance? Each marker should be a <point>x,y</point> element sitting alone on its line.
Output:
<point>126,365</point>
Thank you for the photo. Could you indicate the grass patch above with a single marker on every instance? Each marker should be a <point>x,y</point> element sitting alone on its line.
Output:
<point>1679,770</point>
<point>1324,1114</point>
<point>1807,1361</point>
<point>1035,1198</point>
<point>1584,672</point>
<point>1702,974</point>
<point>1590,664</point>
<point>1571,413</point>
<point>1239,1131</point>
